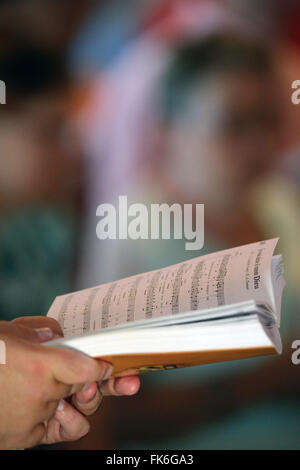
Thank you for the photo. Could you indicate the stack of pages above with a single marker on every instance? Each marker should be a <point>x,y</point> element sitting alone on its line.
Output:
<point>217,307</point>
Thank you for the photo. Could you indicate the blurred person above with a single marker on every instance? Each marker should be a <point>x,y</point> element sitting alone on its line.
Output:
<point>215,135</point>
<point>120,108</point>
<point>218,133</point>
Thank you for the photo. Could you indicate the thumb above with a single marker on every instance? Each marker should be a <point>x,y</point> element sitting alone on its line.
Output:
<point>71,367</point>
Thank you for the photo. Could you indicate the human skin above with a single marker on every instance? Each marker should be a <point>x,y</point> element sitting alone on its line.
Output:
<point>35,382</point>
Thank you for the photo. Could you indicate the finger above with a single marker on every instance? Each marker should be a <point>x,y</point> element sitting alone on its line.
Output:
<point>74,368</point>
<point>33,335</point>
<point>67,425</point>
<point>121,386</point>
<point>87,393</point>
<point>39,323</point>
<point>88,400</point>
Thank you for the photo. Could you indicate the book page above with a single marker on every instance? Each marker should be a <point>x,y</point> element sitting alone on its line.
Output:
<point>220,278</point>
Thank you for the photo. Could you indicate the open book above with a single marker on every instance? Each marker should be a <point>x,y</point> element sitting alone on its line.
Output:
<point>217,307</point>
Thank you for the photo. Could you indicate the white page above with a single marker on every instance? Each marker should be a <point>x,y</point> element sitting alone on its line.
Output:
<point>224,277</point>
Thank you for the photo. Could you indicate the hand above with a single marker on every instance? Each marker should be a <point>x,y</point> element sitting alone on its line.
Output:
<point>67,423</point>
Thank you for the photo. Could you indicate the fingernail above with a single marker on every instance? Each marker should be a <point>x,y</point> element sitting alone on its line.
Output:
<point>108,373</point>
<point>61,405</point>
<point>44,334</point>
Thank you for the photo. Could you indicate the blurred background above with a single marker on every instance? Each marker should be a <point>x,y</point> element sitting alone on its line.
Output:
<point>183,101</point>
